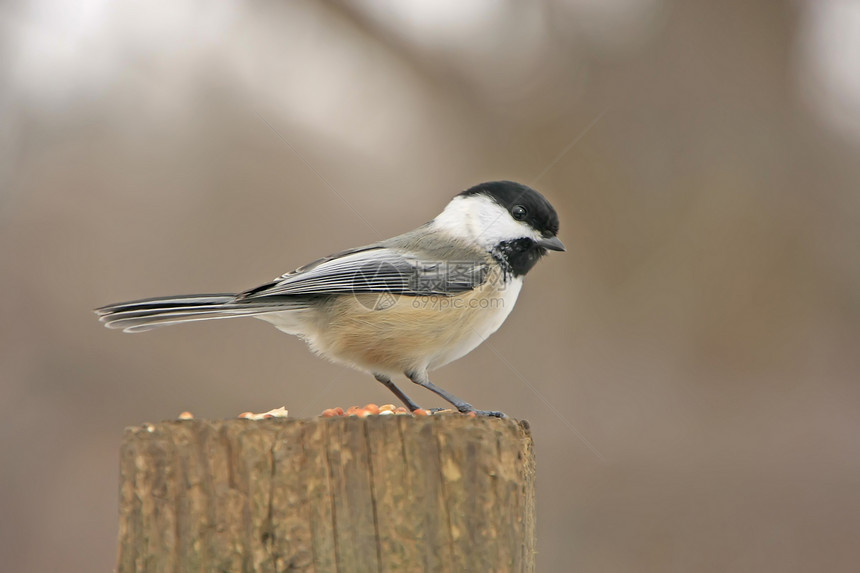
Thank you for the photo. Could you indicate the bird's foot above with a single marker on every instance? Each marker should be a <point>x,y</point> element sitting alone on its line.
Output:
<point>490,413</point>
<point>469,410</point>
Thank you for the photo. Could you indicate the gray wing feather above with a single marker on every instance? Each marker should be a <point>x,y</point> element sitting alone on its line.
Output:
<point>380,268</point>
<point>376,269</point>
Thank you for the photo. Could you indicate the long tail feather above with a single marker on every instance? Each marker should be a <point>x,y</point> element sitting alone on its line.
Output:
<point>146,314</point>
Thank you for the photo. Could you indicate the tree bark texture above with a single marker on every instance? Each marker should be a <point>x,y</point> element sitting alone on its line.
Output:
<point>381,493</point>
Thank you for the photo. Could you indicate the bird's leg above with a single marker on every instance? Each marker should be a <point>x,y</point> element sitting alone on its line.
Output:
<point>421,379</point>
<point>386,381</point>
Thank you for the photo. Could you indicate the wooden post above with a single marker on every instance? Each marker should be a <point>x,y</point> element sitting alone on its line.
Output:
<point>381,493</point>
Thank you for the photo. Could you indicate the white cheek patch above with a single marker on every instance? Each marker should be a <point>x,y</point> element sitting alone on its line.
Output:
<point>479,219</point>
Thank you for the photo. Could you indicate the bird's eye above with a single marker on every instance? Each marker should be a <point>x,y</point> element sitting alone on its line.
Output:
<point>519,212</point>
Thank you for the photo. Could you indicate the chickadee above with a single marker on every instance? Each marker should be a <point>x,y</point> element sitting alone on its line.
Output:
<point>407,304</point>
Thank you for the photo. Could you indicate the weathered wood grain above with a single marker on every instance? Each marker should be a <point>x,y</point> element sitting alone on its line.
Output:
<point>382,493</point>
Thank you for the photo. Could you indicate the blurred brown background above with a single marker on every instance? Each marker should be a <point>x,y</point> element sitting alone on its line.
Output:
<point>689,366</point>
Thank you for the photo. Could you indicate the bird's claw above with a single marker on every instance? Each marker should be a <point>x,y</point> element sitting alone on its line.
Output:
<point>487,413</point>
<point>470,411</point>
<point>490,413</point>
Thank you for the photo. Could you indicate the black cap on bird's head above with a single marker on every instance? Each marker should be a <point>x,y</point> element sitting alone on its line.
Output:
<point>512,221</point>
<point>523,204</point>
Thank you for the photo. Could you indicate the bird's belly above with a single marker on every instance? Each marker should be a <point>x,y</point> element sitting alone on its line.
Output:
<point>409,333</point>
<point>480,326</point>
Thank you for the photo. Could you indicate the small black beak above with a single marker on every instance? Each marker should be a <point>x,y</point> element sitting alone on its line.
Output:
<point>553,244</point>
